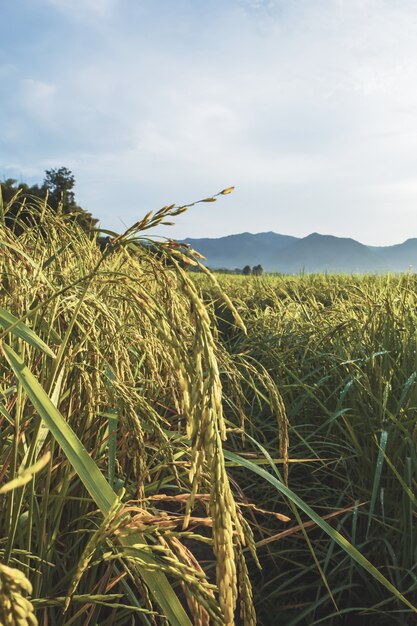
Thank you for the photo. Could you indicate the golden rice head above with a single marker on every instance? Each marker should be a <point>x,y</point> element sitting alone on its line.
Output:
<point>15,608</point>
<point>247,609</point>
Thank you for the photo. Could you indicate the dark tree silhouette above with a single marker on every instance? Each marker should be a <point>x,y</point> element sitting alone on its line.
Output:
<point>58,185</point>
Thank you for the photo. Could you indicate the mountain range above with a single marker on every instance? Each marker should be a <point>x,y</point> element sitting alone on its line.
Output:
<point>314,253</point>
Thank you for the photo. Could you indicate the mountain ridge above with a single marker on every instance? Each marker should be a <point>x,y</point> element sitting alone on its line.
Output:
<point>314,253</point>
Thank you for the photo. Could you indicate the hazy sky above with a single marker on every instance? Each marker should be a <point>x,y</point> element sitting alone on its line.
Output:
<point>308,107</point>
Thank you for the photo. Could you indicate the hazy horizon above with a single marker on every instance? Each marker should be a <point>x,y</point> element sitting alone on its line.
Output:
<point>308,108</point>
<point>264,232</point>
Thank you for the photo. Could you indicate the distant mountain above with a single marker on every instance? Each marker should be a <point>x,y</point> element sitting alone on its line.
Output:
<point>236,251</point>
<point>400,257</point>
<point>320,253</point>
<point>314,253</point>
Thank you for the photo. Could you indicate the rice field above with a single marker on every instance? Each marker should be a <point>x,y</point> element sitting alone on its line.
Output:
<point>342,352</point>
<point>183,448</point>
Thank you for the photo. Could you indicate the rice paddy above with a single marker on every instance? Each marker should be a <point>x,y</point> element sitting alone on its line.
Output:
<point>342,353</point>
<point>195,449</point>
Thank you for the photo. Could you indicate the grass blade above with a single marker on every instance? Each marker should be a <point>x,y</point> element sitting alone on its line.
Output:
<point>333,534</point>
<point>377,479</point>
<point>24,332</point>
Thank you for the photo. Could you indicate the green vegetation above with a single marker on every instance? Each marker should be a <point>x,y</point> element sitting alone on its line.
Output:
<point>111,379</point>
<point>144,452</point>
<point>342,351</point>
<point>256,270</point>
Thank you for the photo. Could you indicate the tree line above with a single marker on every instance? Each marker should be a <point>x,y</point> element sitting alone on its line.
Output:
<point>57,187</point>
<point>256,270</point>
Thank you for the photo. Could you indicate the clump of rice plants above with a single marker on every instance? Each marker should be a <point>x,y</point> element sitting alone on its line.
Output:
<point>110,365</point>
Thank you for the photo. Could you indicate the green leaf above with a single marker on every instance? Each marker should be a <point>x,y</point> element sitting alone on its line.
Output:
<point>52,258</point>
<point>333,534</point>
<point>95,483</point>
<point>20,329</point>
<point>377,477</point>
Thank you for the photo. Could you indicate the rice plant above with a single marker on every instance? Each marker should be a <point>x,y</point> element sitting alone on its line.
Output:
<point>111,366</point>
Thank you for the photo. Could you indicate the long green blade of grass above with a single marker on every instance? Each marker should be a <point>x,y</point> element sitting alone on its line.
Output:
<point>333,534</point>
<point>24,332</point>
<point>377,478</point>
<point>94,482</point>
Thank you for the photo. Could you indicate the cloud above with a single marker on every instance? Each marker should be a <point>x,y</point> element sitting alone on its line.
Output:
<point>308,107</point>
<point>38,98</point>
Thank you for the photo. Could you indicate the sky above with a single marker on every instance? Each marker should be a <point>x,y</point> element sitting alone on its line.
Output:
<point>307,107</point>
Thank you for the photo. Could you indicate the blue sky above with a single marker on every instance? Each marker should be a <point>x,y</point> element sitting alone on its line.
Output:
<point>308,107</point>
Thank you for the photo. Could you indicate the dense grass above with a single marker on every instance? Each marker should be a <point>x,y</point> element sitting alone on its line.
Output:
<point>144,417</point>
<point>342,351</point>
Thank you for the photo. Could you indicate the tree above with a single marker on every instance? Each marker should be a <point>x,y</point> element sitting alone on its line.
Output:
<point>257,270</point>
<point>58,184</point>
<point>246,270</point>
